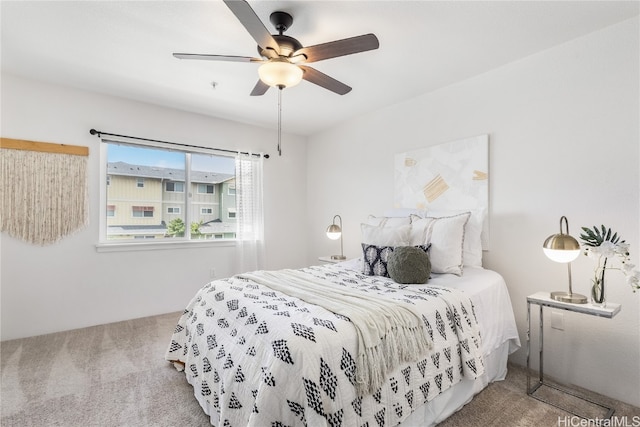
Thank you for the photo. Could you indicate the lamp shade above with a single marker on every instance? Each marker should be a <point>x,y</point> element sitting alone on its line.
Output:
<point>334,232</point>
<point>280,72</point>
<point>561,248</point>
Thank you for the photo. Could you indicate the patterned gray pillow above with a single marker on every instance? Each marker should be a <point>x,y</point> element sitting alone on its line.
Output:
<point>375,258</point>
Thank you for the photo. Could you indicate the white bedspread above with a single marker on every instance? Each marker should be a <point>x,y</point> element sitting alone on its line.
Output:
<point>389,331</point>
<point>256,356</point>
<point>488,291</point>
<point>490,297</point>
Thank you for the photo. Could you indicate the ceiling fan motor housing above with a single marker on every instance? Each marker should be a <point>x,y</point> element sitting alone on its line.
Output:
<point>281,20</point>
<point>287,44</point>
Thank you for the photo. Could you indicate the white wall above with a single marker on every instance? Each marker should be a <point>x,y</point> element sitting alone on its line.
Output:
<point>564,138</point>
<point>69,285</point>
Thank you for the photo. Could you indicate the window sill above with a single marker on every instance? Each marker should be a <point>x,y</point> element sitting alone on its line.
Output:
<point>154,246</point>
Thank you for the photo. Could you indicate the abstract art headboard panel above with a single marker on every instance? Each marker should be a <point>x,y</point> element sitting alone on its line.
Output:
<point>449,176</point>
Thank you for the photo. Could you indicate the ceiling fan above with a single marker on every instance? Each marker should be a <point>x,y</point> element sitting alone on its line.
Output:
<point>283,56</point>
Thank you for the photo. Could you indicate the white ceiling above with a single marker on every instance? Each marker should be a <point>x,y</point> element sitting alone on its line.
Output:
<point>124,49</point>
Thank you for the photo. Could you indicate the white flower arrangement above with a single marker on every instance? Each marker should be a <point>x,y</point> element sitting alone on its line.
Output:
<point>600,244</point>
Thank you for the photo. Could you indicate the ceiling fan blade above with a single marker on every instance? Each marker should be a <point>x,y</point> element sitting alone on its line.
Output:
<point>314,76</point>
<point>339,48</point>
<point>229,58</point>
<point>253,24</point>
<point>260,88</point>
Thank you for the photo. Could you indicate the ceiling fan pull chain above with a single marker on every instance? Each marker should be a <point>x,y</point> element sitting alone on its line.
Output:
<point>279,120</point>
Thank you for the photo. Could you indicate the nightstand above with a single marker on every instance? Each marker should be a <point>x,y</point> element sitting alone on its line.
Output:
<point>329,259</point>
<point>543,299</point>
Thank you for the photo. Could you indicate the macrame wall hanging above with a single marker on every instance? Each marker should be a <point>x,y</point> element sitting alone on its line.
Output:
<point>43,190</point>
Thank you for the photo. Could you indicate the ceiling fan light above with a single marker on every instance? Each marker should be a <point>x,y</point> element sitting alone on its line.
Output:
<point>280,72</point>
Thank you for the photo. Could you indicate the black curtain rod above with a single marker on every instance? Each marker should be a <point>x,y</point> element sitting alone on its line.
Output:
<point>100,133</point>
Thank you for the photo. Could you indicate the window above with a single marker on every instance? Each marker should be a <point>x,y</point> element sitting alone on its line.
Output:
<point>174,187</point>
<point>142,211</point>
<point>231,214</point>
<point>169,202</point>
<point>206,189</point>
<point>232,190</point>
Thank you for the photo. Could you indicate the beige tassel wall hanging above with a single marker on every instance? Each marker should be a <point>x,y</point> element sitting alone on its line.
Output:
<point>43,190</point>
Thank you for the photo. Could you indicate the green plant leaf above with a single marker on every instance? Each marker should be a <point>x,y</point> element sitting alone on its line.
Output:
<point>589,233</point>
<point>597,235</point>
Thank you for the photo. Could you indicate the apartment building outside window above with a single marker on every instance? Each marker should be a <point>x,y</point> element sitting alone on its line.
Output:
<point>155,193</point>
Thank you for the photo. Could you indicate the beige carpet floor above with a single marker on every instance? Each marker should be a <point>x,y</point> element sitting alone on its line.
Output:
<point>115,375</point>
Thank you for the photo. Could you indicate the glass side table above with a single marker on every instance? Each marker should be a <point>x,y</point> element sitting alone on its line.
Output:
<point>543,299</point>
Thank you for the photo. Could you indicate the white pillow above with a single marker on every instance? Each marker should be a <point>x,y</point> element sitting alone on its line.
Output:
<point>472,234</point>
<point>421,228</point>
<point>446,235</point>
<point>385,221</point>
<point>404,212</point>
<point>385,236</point>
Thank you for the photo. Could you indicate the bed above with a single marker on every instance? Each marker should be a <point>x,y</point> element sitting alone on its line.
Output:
<point>259,351</point>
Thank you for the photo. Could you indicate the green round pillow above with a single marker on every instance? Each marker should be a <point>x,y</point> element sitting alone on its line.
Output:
<point>409,265</point>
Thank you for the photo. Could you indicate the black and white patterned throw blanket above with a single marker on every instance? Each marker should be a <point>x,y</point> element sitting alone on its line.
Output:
<point>256,356</point>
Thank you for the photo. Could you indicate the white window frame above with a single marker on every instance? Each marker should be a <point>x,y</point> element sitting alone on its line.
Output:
<point>175,210</point>
<point>202,211</point>
<point>103,245</point>
<point>140,183</point>
<point>231,187</point>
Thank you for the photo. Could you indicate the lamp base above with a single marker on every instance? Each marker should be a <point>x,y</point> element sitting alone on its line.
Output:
<point>567,297</point>
<point>340,257</point>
